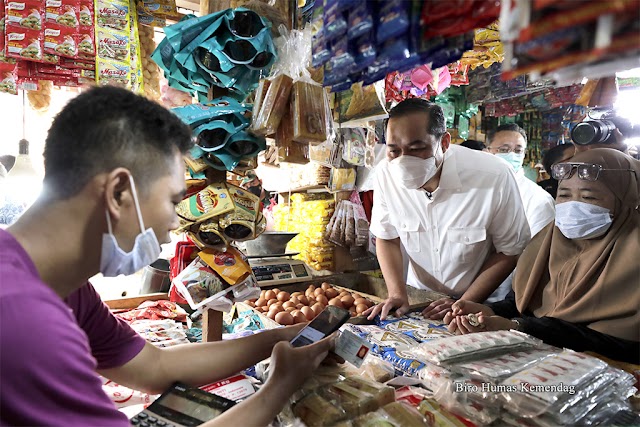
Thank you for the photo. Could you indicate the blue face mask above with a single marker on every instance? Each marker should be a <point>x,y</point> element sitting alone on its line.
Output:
<point>515,160</point>
<point>146,249</point>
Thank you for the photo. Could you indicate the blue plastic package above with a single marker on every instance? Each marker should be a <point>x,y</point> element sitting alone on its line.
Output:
<point>360,20</point>
<point>393,19</point>
<point>335,25</point>
<point>376,71</point>
<point>320,54</point>
<point>342,62</point>
<point>403,362</point>
<point>363,51</point>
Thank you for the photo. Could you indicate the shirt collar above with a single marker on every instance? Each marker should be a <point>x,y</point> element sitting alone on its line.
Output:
<point>450,179</point>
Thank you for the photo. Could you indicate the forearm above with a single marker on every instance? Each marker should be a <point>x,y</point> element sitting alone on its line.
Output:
<point>201,364</point>
<point>390,260</point>
<point>258,410</point>
<point>153,370</point>
<point>495,269</point>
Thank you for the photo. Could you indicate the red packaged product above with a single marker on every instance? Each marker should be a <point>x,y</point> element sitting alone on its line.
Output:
<point>27,14</point>
<point>62,28</point>
<point>77,64</point>
<point>86,35</point>
<point>24,43</point>
<point>8,76</point>
<point>63,12</point>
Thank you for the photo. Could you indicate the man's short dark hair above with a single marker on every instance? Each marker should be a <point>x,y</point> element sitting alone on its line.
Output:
<point>105,128</point>
<point>508,127</point>
<point>473,144</point>
<point>436,125</point>
<point>554,155</point>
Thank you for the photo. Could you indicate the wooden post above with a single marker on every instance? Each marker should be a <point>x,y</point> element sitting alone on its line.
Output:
<point>211,325</point>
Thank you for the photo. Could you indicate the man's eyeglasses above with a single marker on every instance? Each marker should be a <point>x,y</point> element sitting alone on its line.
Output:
<point>505,149</point>
<point>586,171</point>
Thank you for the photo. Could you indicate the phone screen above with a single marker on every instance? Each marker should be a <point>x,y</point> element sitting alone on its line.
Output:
<point>323,325</point>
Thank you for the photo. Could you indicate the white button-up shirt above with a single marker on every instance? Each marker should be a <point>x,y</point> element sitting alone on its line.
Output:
<point>475,208</point>
<point>540,209</point>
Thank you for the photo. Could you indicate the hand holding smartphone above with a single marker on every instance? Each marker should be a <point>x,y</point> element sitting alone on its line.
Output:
<point>326,323</point>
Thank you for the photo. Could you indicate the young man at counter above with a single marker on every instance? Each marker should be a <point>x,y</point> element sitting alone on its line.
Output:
<point>509,142</point>
<point>114,166</point>
<point>457,212</point>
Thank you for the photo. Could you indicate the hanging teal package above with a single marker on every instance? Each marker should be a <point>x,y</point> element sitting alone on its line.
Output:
<point>228,49</point>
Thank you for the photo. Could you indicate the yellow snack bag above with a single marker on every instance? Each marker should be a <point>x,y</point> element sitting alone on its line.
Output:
<point>230,265</point>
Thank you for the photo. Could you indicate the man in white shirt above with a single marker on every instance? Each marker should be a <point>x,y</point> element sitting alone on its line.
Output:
<point>509,142</point>
<point>456,211</point>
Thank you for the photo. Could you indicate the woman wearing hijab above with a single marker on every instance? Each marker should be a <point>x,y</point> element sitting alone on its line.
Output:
<point>576,283</point>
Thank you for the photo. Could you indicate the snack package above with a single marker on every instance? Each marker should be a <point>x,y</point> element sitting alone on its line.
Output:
<point>24,43</point>
<point>229,265</point>
<point>290,151</point>
<point>209,235</point>
<point>62,27</point>
<point>113,40</point>
<point>213,201</point>
<point>240,223</point>
<point>273,106</point>
<point>352,400</point>
<point>342,179</point>
<point>404,415</point>
<point>308,113</point>
<point>137,82</point>
<point>314,410</point>
<point>197,282</point>
<point>381,393</point>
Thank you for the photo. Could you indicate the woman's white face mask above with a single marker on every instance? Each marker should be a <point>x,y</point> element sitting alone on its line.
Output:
<point>579,220</point>
<point>146,249</point>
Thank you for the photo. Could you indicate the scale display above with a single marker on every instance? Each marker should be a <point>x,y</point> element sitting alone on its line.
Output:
<point>279,270</point>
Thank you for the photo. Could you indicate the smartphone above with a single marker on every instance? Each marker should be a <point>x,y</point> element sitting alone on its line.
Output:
<point>325,323</point>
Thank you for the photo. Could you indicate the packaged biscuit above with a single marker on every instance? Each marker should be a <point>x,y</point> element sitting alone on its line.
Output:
<point>353,401</point>
<point>290,151</point>
<point>248,203</point>
<point>308,113</point>
<point>229,264</point>
<point>273,106</point>
<point>213,201</point>
<point>383,394</point>
<point>404,415</point>
<point>315,410</point>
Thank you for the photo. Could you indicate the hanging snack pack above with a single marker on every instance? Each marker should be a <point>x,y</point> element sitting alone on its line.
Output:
<point>308,113</point>
<point>113,33</point>
<point>213,201</point>
<point>272,107</point>
<point>240,223</point>
<point>230,265</point>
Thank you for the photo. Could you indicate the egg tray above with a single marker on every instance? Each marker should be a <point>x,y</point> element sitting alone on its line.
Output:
<point>299,287</point>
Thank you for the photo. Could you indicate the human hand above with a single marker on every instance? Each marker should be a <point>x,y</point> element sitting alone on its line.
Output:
<point>478,322</point>
<point>462,307</point>
<point>400,303</point>
<point>438,309</point>
<point>291,366</point>
<point>287,333</point>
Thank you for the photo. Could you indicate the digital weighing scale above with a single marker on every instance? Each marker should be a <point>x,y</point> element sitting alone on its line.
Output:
<point>272,270</point>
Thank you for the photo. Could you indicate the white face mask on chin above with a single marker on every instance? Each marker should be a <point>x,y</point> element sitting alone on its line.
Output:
<point>579,220</point>
<point>413,172</point>
<point>146,249</point>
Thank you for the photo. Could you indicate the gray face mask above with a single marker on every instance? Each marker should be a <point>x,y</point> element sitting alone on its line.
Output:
<point>146,249</point>
<point>579,220</point>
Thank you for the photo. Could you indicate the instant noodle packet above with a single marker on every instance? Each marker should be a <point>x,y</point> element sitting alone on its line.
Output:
<point>213,201</point>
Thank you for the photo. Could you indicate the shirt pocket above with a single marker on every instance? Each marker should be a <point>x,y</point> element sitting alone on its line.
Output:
<point>464,242</point>
<point>409,231</point>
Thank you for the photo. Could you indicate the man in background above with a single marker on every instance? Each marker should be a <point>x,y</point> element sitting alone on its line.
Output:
<point>558,154</point>
<point>509,142</point>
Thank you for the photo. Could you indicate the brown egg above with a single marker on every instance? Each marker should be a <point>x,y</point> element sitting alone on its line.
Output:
<point>359,301</point>
<point>317,308</point>
<point>295,300</point>
<point>311,288</point>
<point>336,302</point>
<point>308,313</point>
<point>318,291</point>
<point>269,295</point>
<point>325,286</point>
<point>251,304</point>
<point>298,317</point>
<point>343,293</point>
<point>331,293</point>
<point>272,314</point>
<point>276,291</point>
<point>276,308</point>
<point>263,309</point>
<point>261,302</point>
<point>299,306</point>
<point>361,308</point>
<point>283,296</point>
<point>271,302</point>
<point>311,300</point>
<point>303,299</point>
<point>347,301</point>
<point>322,300</point>
<point>290,309</point>
<point>309,292</point>
<point>356,295</point>
<point>353,313</point>
<point>296,294</point>
<point>284,318</point>
<point>288,304</point>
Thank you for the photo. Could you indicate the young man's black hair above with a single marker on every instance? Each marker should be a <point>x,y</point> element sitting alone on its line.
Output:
<point>436,125</point>
<point>473,145</point>
<point>508,127</point>
<point>109,127</point>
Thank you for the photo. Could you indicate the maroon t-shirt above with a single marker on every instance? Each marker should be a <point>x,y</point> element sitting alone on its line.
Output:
<point>50,348</point>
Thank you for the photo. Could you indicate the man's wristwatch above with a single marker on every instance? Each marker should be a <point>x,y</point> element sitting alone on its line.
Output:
<point>518,323</point>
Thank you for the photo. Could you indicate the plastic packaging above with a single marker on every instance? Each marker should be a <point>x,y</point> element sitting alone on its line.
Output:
<point>404,415</point>
<point>308,113</point>
<point>381,393</point>
<point>353,401</point>
<point>290,151</point>
<point>197,282</point>
<point>273,106</point>
<point>315,410</point>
